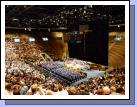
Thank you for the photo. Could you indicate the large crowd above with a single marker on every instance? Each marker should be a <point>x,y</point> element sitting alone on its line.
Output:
<point>23,79</point>
<point>23,51</point>
<point>112,82</point>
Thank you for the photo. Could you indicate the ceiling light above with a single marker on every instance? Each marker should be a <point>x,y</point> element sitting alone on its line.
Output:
<point>45,39</point>
<point>14,19</point>
<point>84,11</point>
<point>25,6</point>
<point>85,7</point>
<point>31,39</point>
<point>118,26</point>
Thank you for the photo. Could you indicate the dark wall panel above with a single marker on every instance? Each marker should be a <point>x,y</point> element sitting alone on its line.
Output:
<point>94,45</point>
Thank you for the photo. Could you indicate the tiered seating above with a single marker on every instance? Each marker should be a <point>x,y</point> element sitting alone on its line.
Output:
<point>51,65</point>
<point>68,74</point>
<point>59,70</point>
<point>117,54</point>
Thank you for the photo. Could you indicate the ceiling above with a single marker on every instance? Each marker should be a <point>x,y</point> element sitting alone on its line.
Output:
<point>55,16</point>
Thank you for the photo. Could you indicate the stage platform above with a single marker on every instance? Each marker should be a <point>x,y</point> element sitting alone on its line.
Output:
<point>90,74</point>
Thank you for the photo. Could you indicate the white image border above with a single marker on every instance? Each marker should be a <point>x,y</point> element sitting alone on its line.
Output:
<point>126,3</point>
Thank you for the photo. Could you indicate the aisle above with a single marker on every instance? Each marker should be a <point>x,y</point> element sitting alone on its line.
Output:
<point>90,74</point>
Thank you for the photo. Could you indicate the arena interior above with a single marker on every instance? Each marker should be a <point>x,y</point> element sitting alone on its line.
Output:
<point>64,50</point>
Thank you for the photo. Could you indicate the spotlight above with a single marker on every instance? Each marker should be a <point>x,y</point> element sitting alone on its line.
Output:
<point>29,29</point>
<point>84,11</point>
<point>31,39</point>
<point>45,39</point>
